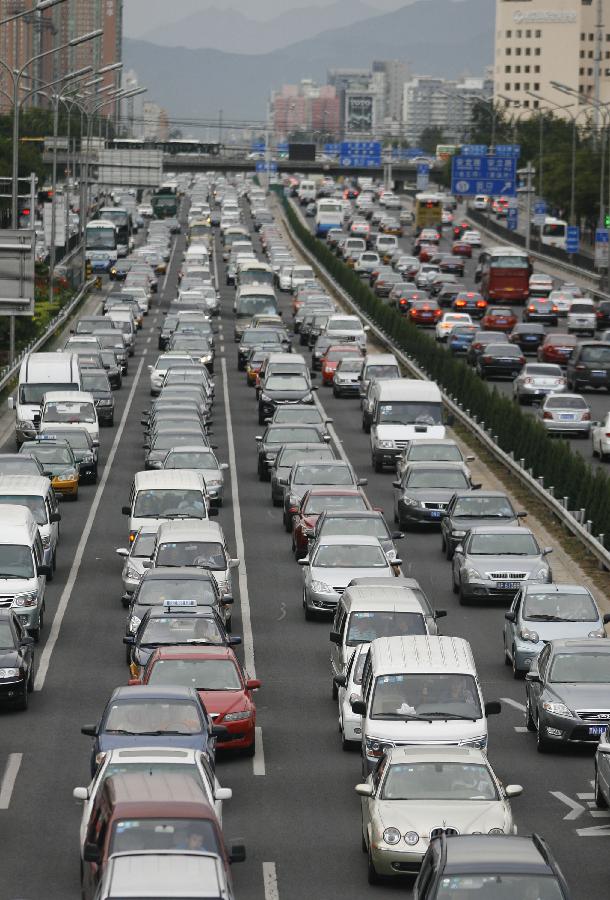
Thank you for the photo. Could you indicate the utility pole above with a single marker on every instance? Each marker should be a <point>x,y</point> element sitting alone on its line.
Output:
<point>528,173</point>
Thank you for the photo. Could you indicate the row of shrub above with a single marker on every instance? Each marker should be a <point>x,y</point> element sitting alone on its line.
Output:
<point>517,433</point>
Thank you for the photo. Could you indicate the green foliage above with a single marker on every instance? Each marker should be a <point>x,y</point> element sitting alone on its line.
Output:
<point>430,138</point>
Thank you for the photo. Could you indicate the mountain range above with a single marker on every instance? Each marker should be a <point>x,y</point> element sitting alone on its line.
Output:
<point>437,37</point>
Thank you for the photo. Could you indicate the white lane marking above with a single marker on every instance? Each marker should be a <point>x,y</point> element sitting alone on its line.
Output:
<point>62,606</point>
<point>521,729</point>
<point>331,430</point>
<point>169,266</point>
<point>244,597</point>
<point>222,347</point>
<point>9,779</point>
<point>270,881</point>
<point>149,339</point>
<point>215,258</point>
<point>576,809</point>
<point>594,831</point>
<point>588,795</point>
<point>258,762</point>
<point>514,703</point>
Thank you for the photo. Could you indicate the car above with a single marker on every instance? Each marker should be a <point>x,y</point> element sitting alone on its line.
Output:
<point>276,436</point>
<point>557,348</point>
<point>492,561</point>
<point>281,388</point>
<point>333,562</point>
<point>472,237</point>
<point>97,383</point>
<point>562,299</point>
<point>451,263</point>
<point>287,457</point>
<point>334,354</point>
<point>499,318</point>
<point>16,661</point>
<point>480,342</point>
<point>415,791</point>
<point>305,476</point>
<point>528,336</point>
<point>429,450</point>
<point>542,613</point>
<point>314,502</point>
<point>84,448</point>
<point>472,509</point>
<point>470,302</point>
<point>536,380</point>
<point>223,686</point>
<point>410,296</point>
<point>540,285</point>
<point>540,309</point>
<point>367,523</point>
<point>566,414</point>
<point>500,360</point>
<point>58,463</point>
<point>449,321</point>
<point>491,862</point>
<point>566,693</point>
<point>348,684</point>
<point>603,314</point>
<point>424,490</point>
<point>153,716</point>
<point>346,378</point>
<point>461,248</point>
<point>18,464</point>
<point>425,313</point>
<point>589,366</point>
<point>582,317</point>
<point>136,555</point>
<point>460,339</point>
<point>600,438</point>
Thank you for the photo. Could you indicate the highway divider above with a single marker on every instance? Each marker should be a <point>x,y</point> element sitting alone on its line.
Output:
<point>562,478</point>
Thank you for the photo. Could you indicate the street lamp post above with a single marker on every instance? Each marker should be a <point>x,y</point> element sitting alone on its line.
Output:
<point>42,5</point>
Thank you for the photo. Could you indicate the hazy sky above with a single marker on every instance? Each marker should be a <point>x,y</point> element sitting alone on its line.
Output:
<point>143,15</point>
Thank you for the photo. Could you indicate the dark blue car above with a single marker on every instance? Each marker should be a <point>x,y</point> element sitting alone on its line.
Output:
<point>461,338</point>
<point>150,716</point>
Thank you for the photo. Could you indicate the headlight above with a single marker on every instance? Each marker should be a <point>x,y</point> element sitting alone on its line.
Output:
<point>322,588</point>
<point>68,475</point>
<point>387,445</point>
<point>130,572</point>
<point>46,541</point>
<point>376,748</point>
<point>9,673</point>
<point>459,534</point>
<point>27,598</point>
<point>527,634</point>
<point>472,573</point>
<point>496,831</point>
<point>478,743</point>
<point>598,633</point>
<point>24,423</point>
<point>106,402</point>
<point>557,709</point>
<point>307,399</point>
<point>213,482</point>
<point>540,575</point>
<point>411,838</point>
<point>237,716</point>
<point>134,624</point>
<point>391,836</point>
<point>410,501</point>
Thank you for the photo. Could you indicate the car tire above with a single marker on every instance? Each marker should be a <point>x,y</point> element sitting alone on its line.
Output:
<point>373,877</point>
<point>363,845</point>
<point>542,745</point>
<point>366,427</point>
<point>454,585</point>
<point>30,681</point>
<point>600,800</point>
<point>377,464</point>
<point>261,471</point>
<point>462,599</point>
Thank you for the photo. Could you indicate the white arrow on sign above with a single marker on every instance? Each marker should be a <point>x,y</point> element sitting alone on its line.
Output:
<point>576,809</point>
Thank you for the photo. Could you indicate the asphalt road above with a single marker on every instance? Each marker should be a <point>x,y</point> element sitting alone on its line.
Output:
<point>294,804</point>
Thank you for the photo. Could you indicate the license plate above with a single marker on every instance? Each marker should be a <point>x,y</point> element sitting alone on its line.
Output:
<point>435,513</point>
<point>530,337</point>
<point>597,729</point>
<point>566,417</point>
<point>508,585</point>
<point>599,373</point>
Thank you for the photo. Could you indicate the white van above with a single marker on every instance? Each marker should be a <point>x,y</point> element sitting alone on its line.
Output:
<point>403,409</point>
<point>70,409</point>
<point>385,245</point>
<point>306,192</point>
<point>380,366</point>
<point>251,301</point>
<point>408,684</point>
<point>582,317</point>
<point>39,373</point>
<point>35,493</point>
<point>22,569</point>
<point>344,329</point>
<point>159,495</point>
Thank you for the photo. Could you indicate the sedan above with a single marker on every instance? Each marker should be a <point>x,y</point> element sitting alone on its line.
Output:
<point>425,489</point>
<point>416,791</point>
<point>346,380</point>
<point>451,320</point>
<point>409,297</point>
<point>286,459</point>
<point>527,335</point>
<point>562,300</point>
<point>493,561</point>
<point>313,504</point>
<point>540,285</point>
<point>425,313</point>
<point>470,302</point>
<point>566,414</point>
<point>461,248</point>
<point>16,661</point>
<point>540,309</point>
<point>461,338</point>
<point>480,342</point>
<point>472,509</point>
<point>136,556</point>
<point>348,684</point>
<point>334,561</point>
<point>500,360</point>
<point>344,523</point>
<point>332,357</point>
<point>276,436</point>
<point>557,348</point>
<point>566,693</point>
<point>600,435</point>
<point>543,613</point>
<point>536,380</point>
<point>280,389</point>
<point>499,318</point>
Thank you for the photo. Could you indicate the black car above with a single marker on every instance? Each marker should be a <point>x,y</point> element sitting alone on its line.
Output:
<point>112,367</point>
<point>480,342</point>
<point>468,509</point>
<point>470,302</point>
<point>97,383</point>
<point>119,269</point>
<point>540,309</point>
<point>603,314</point>
<point>528,336</point>
<point>176,584</point>
<point>448,293</point>
<point>490,865</point>
<point>277,436</point>
<point>170,323</point>
<point>84,448</point>
<point>16,661</point>
<point>450,263</point>
<point>175,435</point>
<point>113,339</point>
<point>501,360</point>
<point>589,366</point>
<point>282,389</point>
<point>261,337</point>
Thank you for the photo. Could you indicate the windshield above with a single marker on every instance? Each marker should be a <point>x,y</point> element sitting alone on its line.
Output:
<point>413,695</point>
<point>365,627</point>
<point>345,325</point>
<point>258,336</point>
<point>7,640</point>
<point>155,591</point>
<point>34,504</point>
<point>170,630</point>
<point>169,439</point>
<point>286,383</point>
<point>580,668</point>
<point>349,365</point>
<point>348,556</point>
<point>565,403</point>
<point>191,459</point>
<point>410,413</point>
<point>290,455</point>
<point>436,478</point>
<point>499,887</point>
<point>59,456</point>
<point>256,276</point>
<point>509,262</point>
<point>168,362</point>
<point>317,504</point>
<point>101,239</point>
<point>250,306</point>
<point>439,781</point>
<point>153,716</point>
<point>483,508</point>
<point>503,545</point>
<point>596,355</point>
<point>561,606</point>
<point>200,674</point>
<point>365,526</point>
<point>33,393</point>
<point>159,503</point>
<point>308,416</point>
<point>292,435</point>
<point>16,561</point>
<point>206,554</point>
<point>69,411</point>
<point>310,474</point>
<point>95,382</point>
<point>341,353</point>
<point>422,452</point>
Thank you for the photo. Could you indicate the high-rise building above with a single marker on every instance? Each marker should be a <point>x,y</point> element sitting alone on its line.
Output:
<point>539,41</point>
<point>305,108</point>
<point>437,103</point>
<point>19,41</point>
<point>395,73</point>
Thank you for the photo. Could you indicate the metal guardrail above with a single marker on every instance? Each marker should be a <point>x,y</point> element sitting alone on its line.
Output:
<point>7,373</point>
<point>557,507</point>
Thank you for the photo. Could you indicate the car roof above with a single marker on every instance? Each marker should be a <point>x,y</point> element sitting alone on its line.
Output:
<point>180,651</point>
<point>554,588</point>
<point>420,465</point>
<point>441,754</point>
<point>416,653</point>
<point>165,873</point>
<point>154,692</point>
<point>68,396</point>
<point>501,529</point>
<point>189,529</point>
<point>580,645</point>
<point>140,791</point>
<point>359,540</point>
<point>27,485</point>
<point>493,853</point>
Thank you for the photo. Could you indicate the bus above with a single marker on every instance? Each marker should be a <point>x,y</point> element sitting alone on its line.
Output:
<point>121,220</point>
<point>101,245</point>
<point>428,210</point>
<point>504,274</point>
<point>554,232</point>
<point>329,214</point>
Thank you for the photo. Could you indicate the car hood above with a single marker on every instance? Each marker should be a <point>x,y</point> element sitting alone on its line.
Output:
<point>10,587</point>
<point>464,523</point>
<point>187,741</point>
<point>409,432</point>
<point>219,703</point>
<point>432,495</point>
<point>505,563</point>
<point>581,696</point>
<point>423,815</point>
<point>340,578</point>
<point>9,659</point>
<point>288,395</point>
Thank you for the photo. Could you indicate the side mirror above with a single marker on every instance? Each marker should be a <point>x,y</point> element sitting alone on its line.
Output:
<point>396,484</point>
<point>326,421</point>
<point>237,853</point>
<point>134,681</point>
<point>450,420</point>
<point>326,438</point>
<point>340,680</point>
<point>397,535</point>
<point>234,640</point>
<point>510,616</point>
<point>223,793</point>
<point>55,517</point>
<point>80,793</point>
<point>362,482</point>
<point>126,510</point>
<point>212,511</point>
<point>603,747</point>
<point>44,570</point>
<point>219,731</point>
<point>233,563</point>
<point>335,637</point>
<point>92,853</point>
<point>11,403</point>
<point>476,486</point>
<point>459,548</point>
<point>304,561</point>
<point>606,618</point>
<point>223,467</point>
<point>227,600</point>
<point>282,481</point>
<point>521,514</point>
<point>129,639</point>
<point>122,551</point>
<point>513,790</point>
<point>90,730</point>
<point>258,438</point>
<point>470,458</point>
<point>440,613</point>
<point>533,676</point>
<point>364,790</point>
<point>396,562</point>
<point>358,707</point>
<point>547,550</point>
<point>253,684</point>
<point>147,564</point>
<point>493,708</point>
<point>27,641</point>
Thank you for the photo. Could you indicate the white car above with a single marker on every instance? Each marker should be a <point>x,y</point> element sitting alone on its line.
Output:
<point>481,202</point>
<point>427,272</point>
<point>141,759</point>
<point>562,300</point>
<point>582,317</point>
<point>566,414</point>
<point>540,285</point>
<point>165,362</point>
<point>145,210</point>
<point>473,238</point>
<point>135,556</point>
<point>450,321</point>
<point>416,790</point>
<point>600,436</point>
<point>285,278</point>
<point>348,686</point>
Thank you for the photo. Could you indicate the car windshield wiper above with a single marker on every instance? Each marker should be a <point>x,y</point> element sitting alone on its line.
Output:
<point>8,576</point>
<point>547,617</point>
<point>163,731</point>
<point>407,717</point>
<point>120,731</point>
<point>450,715</point>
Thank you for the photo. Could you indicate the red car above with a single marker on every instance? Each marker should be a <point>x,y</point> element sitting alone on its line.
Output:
<point>557,348</point>
<point>461,248</point>
<point>224,688</point>
<point>499,318</point>
<point>332,357</point>
<point>425,312</point>
<point>313,504</point>
<point>408,298</point>
<point>425,252</point>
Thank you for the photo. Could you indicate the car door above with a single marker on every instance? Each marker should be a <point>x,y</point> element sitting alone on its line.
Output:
<point>535,688</point>
<point>510,628</point>
<point>603,766</point>
<point>337,659</point>
<point>369,803</point>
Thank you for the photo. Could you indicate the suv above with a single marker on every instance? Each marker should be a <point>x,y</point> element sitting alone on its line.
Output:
<point>589,366</point>
<point>453,864</point>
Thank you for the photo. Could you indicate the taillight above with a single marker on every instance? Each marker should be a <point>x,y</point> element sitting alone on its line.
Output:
<point>580,368</point>
<point>586,417</point>
<point>608,434</point>
<point>403,302</point>
<point>487,359</point>
<point>531,309</point>
<point>481,304</point>
<point>547,415</point>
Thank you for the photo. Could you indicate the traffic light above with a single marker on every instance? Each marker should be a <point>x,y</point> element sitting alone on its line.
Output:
<point>607,221</point>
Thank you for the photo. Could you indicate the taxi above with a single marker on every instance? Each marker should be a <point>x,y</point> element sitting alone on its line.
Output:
<point>58,462</point>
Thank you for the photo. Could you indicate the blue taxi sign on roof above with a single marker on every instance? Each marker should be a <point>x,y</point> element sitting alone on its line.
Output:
<point>46,437</point>
<point>180,603</point>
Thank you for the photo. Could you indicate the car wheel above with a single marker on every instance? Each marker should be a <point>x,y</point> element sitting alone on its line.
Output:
<point>600,800</point>
<point>365,849</point>
<point>518,675</point>
<point>454,585</point>
<point>377,464</point>
<point>462,599</point>
<point>373,877</point>
<point>335,392</point>
<point>261,471</point>
<point>529,719</point>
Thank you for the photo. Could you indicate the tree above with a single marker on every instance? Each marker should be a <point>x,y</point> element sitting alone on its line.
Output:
<point>430,138</point>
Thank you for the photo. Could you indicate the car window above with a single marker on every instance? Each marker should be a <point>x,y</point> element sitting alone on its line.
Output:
<point>407,696</point>
<point>317,504</point>
<point>155,591</point>
<point>151,716</point>
<point>438,781</point>
<point>503,545</point>
<point>207,554</point>
<point>337,556</point>
<point>200,674</point>
<point>170,630</point>
<point>163,503</point>
<point>436,478</point>
<point>312,474</point>
<point>580,668</point>
<point>555,606</point>
<point>365,627</point>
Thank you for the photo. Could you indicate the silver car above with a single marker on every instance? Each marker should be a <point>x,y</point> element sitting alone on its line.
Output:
<point>493,562</point>
<point>332,564</point>
<point>536,380</point>
<point>566,414</point>
<point>201,459</point>
<point>135,557</point>
<point>542,613</point>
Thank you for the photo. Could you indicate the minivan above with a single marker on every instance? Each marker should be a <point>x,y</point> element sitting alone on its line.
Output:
<point>582,317</point>
<point>39,373</point>
<point>160,495</point>
<point>408,683</point>
<point>23,573</point>
<point>402,410</point>
<point>378,365</point>
<point>36,493</point>
<point>70,409</point>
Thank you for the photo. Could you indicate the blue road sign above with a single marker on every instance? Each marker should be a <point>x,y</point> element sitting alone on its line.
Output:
<point>511,150</point>
<point>540,208</point>
<point>601,236</point>
<point>360,162</point>
<point>573,239</point>
<point>257,145</point>
<point>512,218</point>
<point>332,149</point>
<point>262,166</point>
<point>412,152</point>
<point>492,175</point>
<point>361,149</point>
<point>423,176</point>
<point>474,150</point>
<point>282,146</point>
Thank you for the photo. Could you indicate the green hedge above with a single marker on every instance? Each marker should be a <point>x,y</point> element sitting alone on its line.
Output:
<point>520,434</point>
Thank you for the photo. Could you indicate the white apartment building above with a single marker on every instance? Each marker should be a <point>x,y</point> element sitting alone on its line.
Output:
<point>541,41</point>
<point>438,103</point>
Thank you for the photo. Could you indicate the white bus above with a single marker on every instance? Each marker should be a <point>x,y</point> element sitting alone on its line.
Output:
<point>101,245</point>
<point>554,232</point>
<point>329,214</point>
